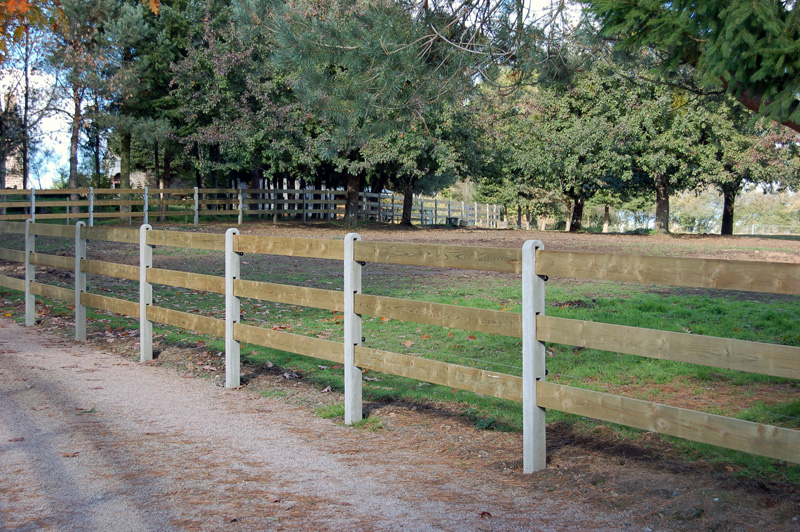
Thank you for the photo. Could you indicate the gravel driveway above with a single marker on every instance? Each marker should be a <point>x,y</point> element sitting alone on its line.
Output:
<point>92,441</point>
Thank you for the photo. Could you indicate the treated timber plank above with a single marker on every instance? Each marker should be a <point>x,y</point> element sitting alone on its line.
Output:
<point>187,201</point>
<point>135,214</point>
<point>62,192</point>
<point>181,239</point>
<point>110,269</point>
<point>16,192</point>
<point>292,247</point>
<point>12,255</point>
<point>753,276</point>
<point>62,203</point>
<point>231,201</point>
<point>111,304</point>
<point>292,343</point>
<point>765,440</point>
<point>63,216</point>
<point>11,217</point>
<point>12,283</point>
<point>466,318</point>
<point>60,231</point>
<point>436,372</point>
<point>435,256</point>
<point>115,203</point>
<point>106,234</point>
<point>218,191</point>
<point>292,295</point>
<point>191,281</point>
<point>185,320</point>
<point>726,353</point>
<point>53,292</point>
<point>53,261</point>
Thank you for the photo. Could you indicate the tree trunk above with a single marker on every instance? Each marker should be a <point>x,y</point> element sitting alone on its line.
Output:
<point>606,218</point>
<point>75,138</point>
<point>519,216</point>
<point>351,201</point>
<point>729,199</point>
<point>568,227</point>
<point>662,203</point>
<point>577,215</point>
<point>408,203</point>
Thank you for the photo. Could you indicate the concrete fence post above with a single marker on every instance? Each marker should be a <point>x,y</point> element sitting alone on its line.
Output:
<point>33,205</point>
<point>30,272</point>
<point>241,206</point>
<point>80,283</point>
<point>145,207</point>
<point>145,296</point>
<point>232,311</point>
<point>91,206</point>
<point>196,206</point>
<point>352,332</point>
<point>533,361</point>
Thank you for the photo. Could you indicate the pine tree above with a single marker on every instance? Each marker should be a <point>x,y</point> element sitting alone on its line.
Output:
<point>746,48</point>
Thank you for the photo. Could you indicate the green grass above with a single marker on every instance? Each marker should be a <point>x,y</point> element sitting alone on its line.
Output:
<point>723,314</point>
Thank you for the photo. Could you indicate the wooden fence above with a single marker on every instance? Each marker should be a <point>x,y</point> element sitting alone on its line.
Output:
<point>304,204</point>
<point>532,262</point>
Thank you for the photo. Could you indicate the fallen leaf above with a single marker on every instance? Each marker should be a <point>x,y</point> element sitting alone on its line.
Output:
<point>373,379</point>
<point>209,368</point>
<point>8,314</point>
<point>70,455</point>
<point>471,337</point>
<point>485,514</point>
<point>92,410</point>
<point>384,320</point>
<point>408,343</point>
<point>327,389</point>
<point>450,334</point>
<point>14,440</point>
<point>425,337</point>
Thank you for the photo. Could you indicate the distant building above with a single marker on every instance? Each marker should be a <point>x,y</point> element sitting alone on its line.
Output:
<point>139,179</point>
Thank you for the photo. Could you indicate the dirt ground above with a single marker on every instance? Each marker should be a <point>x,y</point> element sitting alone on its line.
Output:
<point>92,440</point>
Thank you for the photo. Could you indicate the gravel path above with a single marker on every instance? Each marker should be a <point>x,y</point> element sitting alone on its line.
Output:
<point>91,441</point>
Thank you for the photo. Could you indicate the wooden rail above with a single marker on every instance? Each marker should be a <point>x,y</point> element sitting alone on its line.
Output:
<point>290,247</point>
<point>771,277</point>
<point>460,257</point>
<point>766,440</point>
<point>292,343</point>
<point>740,355</point>
<point>777,360</point>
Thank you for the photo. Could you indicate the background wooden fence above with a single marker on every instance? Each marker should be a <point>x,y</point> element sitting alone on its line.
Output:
<point>302,204</point>
<point>532,325</point>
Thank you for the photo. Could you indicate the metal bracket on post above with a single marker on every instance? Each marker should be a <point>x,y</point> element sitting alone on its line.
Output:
<point>30,272</point>
<point>80,284</point>
<point>91,206</point>
<point>196,206</point>
<point>533,361</point>
<point>145,296</point>
<point>353,402</point>
<point>232,311</point>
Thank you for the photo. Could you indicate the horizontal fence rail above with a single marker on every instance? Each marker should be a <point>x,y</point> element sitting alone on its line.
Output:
<point>533,326</point>
<point>304,204</point>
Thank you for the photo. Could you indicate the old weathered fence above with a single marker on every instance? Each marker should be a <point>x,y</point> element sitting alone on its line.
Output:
<point>533,263</point>
<point>304,204</point>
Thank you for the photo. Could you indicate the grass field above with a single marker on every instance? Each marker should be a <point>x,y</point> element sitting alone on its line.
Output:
<point>745,316</point>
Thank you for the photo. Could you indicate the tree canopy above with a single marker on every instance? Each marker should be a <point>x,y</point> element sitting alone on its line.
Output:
<point>746,48</point>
